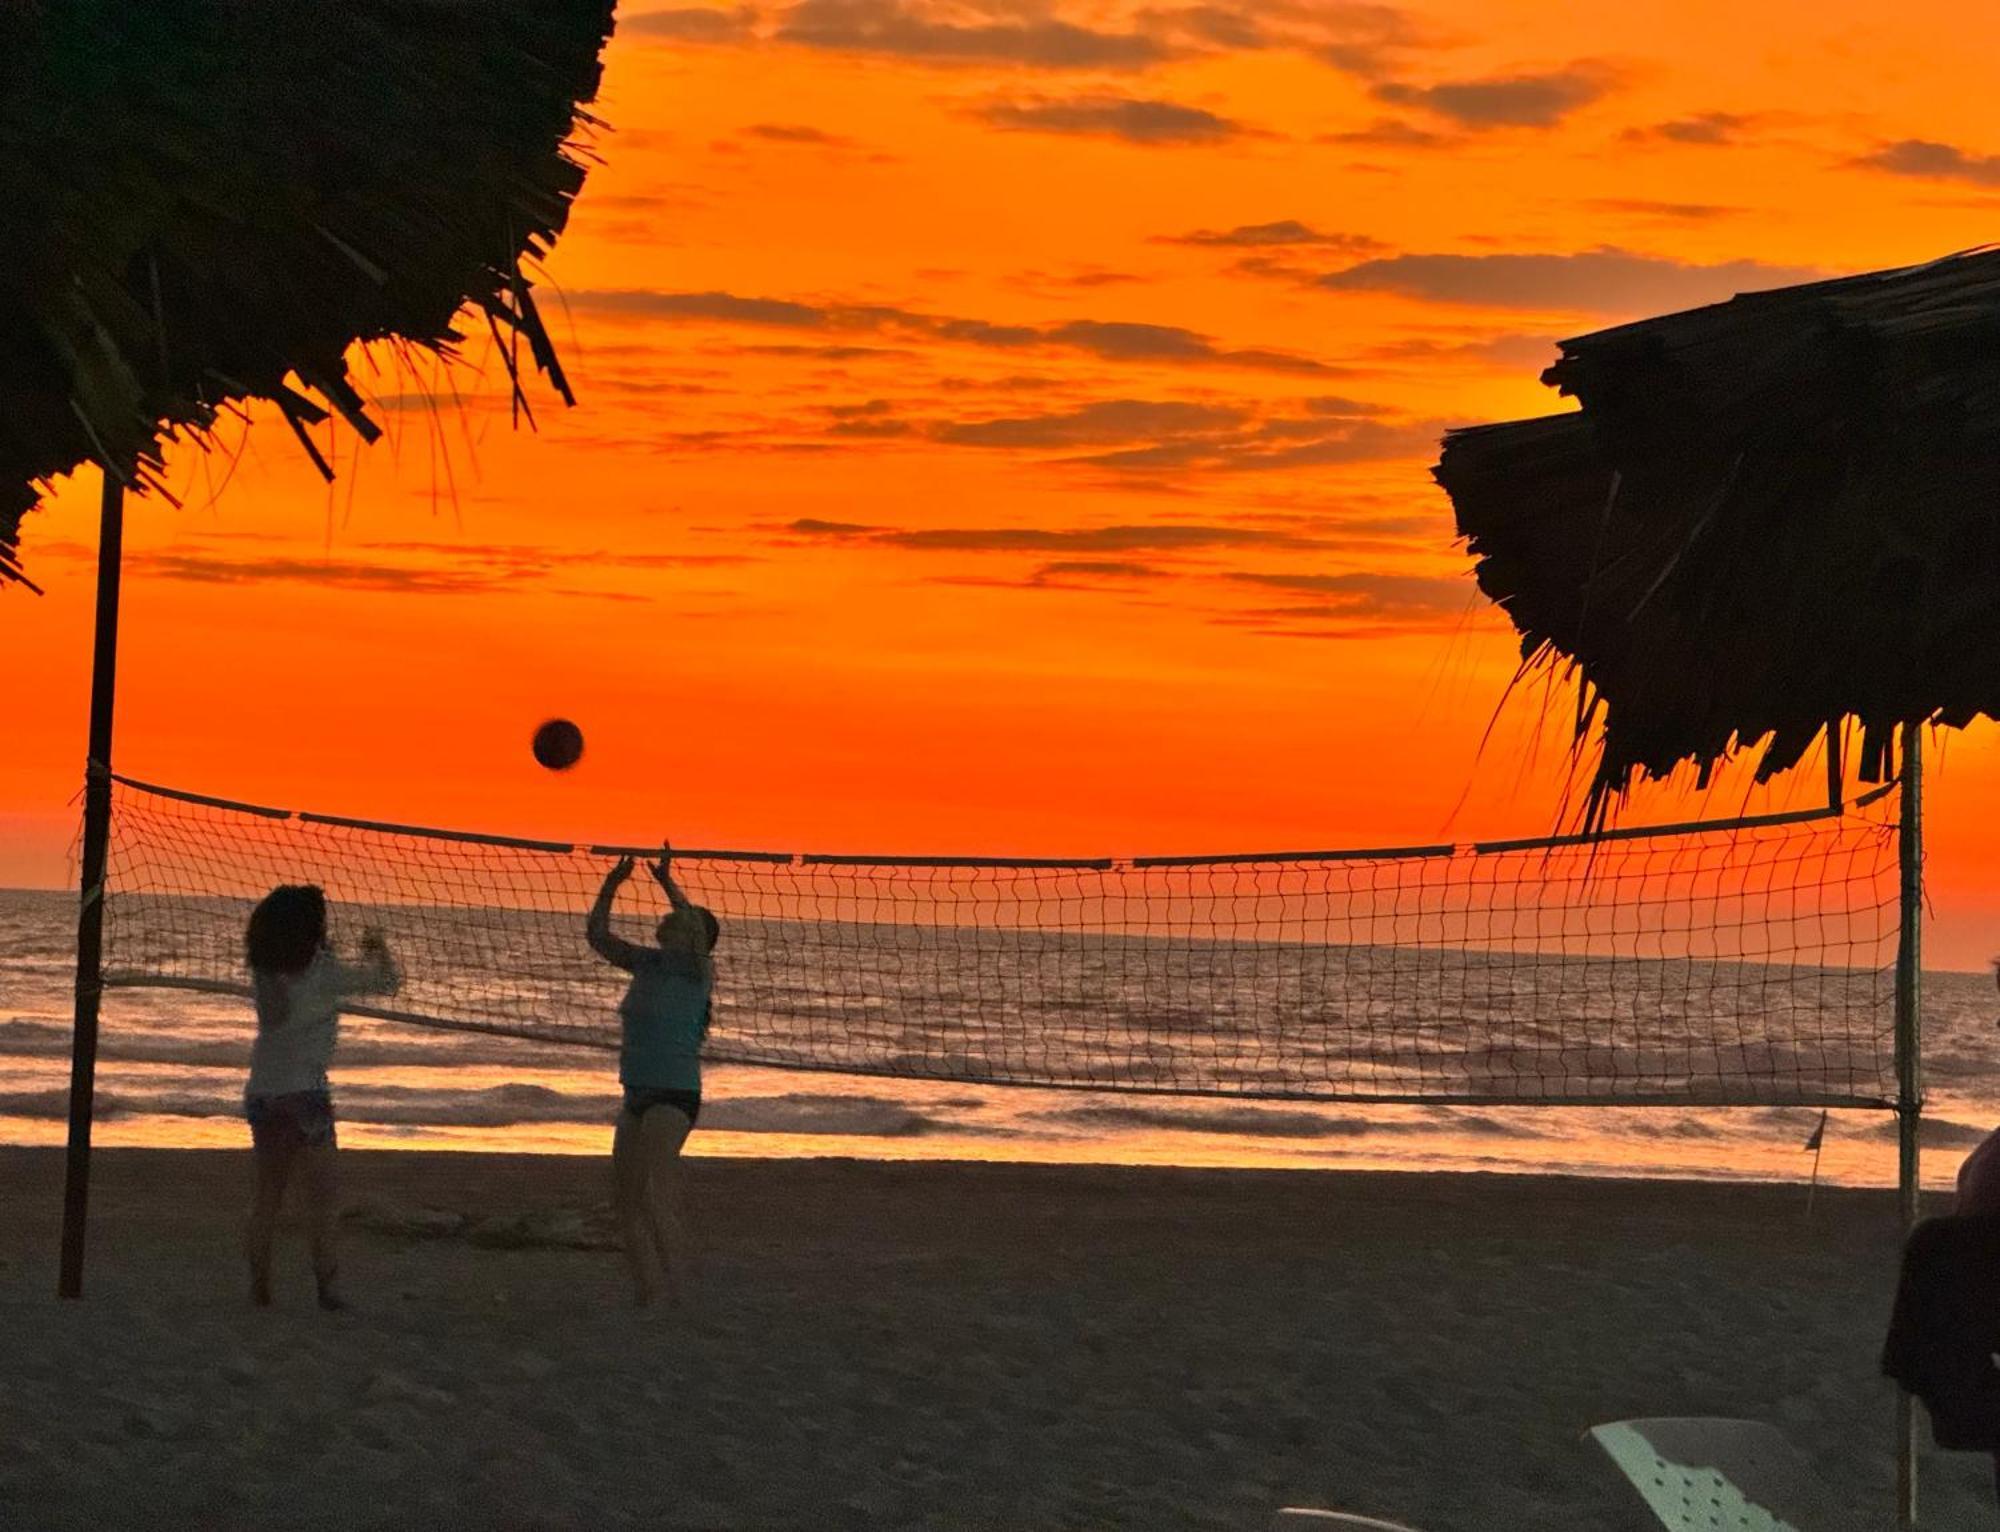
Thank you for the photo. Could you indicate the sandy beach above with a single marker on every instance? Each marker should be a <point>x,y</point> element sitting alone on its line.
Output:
<point>930,1345</point>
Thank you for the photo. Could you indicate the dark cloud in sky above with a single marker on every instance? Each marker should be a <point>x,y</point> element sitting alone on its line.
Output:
<point>1699,128</point>
<point>1138,438</point>
<point>1355,36</point>
<point>1507,101</point>
<point>1675,212</point>
<point>1387,133</point>
<point>828,353</point>
<point>1511,351</point>
<point>1368,40</point>
<point>326,573</point>
<point>1277,444</point>
<point>1229,28</point>
<point>1131,560</point>
<point>1100,576</point>
<point>1033,38</point>
<point>1284,233</point>
<point>1928,160</point>
<point>410,568</point>
<point>1127,341</point>
<point>796,133</point>
<point>1106,421</point>
<point>1100,569</point>
<point>693,24</point>
<point>1081,279</point>
<point>1343,407</point>
<point>1161,538</point>
<point>1111,340</point>
<point>727,307</point>
<point>1152,124</point>
<point>1368,594</point>
<point>1606,281</point>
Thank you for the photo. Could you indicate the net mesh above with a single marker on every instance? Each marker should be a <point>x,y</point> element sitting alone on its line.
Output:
<point>1740,963</point>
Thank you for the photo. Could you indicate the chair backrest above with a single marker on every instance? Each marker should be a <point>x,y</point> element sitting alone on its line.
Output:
<point>1298,1519</point>
<point>1704,1474</point>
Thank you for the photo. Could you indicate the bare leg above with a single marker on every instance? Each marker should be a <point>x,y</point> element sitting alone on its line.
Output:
<point>628,1168</point>
<point>322,1204</point>
<point>274,1169</point>
<point>662,1132</point>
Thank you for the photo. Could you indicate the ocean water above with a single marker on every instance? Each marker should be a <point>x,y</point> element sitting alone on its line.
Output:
<point>171,1068</point>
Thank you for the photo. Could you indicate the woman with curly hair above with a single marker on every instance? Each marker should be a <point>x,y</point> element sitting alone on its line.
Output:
<point>299,984</point>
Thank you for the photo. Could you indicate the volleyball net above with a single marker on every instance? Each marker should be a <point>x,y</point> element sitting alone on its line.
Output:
<point>1729,963</point>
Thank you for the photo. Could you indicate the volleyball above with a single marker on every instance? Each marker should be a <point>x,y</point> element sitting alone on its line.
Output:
<point>558,744</point>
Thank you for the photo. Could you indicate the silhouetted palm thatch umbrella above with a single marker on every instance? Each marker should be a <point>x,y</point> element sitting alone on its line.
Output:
<point>1770,515</point>
<point>211,200</point>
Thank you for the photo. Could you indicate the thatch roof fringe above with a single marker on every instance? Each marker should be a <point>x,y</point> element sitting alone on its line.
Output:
<point>1767,515</point>
<point>213,200</point>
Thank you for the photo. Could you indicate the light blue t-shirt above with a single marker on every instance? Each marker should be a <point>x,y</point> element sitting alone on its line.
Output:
<point>665,1018</point>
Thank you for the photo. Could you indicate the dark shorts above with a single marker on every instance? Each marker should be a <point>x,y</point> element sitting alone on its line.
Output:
<point>639,1097</point>
<point>297,1120</point>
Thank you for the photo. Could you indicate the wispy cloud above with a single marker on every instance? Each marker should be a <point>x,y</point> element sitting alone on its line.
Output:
<point>1111,340</point>
<point>693,24</point>
<point>1358,37</point>
<point>1604,281</point>
<point>1031,38</point>
<point>1078,279</point>
<point>1279,443</point>
<point>410,568</point>
<point>1388,133</point>
<point>1149,123</point>
<point>1926,159</point>
<point>1698,128</point>
<point>1165,537</point>
<point>1093,576</point>
<point>325,573</point>
<point>1137,561</point>
<point>797,133</point>
<point>1138,438</point>
<point>1357,605</point>
<point>1106,421</point>
<point>1368,594</point>
<point>1508,101</point>
<point>1513,351</point>
<point>1673,212</point>
<point>1098,569</point>
<point>1284,233</point>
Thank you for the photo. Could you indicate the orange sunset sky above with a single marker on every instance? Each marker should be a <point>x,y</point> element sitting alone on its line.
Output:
<point>1004,426</point>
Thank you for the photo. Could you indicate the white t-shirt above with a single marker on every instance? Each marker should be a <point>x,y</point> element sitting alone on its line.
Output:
<point>298,1019</point>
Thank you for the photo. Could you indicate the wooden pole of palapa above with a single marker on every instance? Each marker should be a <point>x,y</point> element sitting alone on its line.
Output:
<point>1909,1070</point>
<point>90,916</point>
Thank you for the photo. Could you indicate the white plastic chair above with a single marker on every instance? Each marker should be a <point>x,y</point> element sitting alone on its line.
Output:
<point>1295,1518</point>
<point>1704,1474</point>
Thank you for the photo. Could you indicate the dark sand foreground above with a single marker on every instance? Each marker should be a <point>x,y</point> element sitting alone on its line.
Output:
<point>948,1346</point>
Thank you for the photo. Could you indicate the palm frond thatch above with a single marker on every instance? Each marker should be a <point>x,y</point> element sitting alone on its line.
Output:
<point>212,200</point>
<point>1769,515</point>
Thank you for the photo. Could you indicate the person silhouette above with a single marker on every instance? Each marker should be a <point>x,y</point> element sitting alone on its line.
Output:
<point>664,1018</point>
<point>299,982</point>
